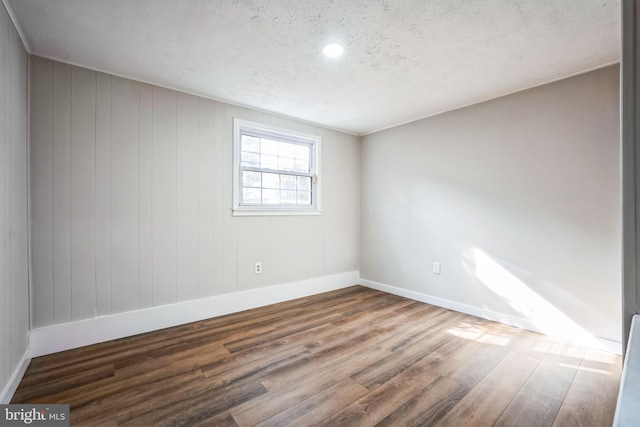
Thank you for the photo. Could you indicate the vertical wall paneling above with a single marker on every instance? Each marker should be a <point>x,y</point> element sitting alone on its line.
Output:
<point>14,215</point>
<point>103,193</point>
<point>254,244</point>
<point>145,201</point>
<point>62,192</point>
<point>83,215</point>
<point>125,135</point>
<point>41,191</point>
<point>20,215</point>
<point>206,198</point>
<point>291,250</point>
<point>144,175</point>
<point>17,319</point>
<point>5,103</point>
<point>316,249</point>
<point>164,197</point>
<point>278,267</point>
<point>267,253</point>
<point>242,261</point>
<point>341,208</point>
<point>250,244</point>
<point>230,223</point>
<point>187,174</point>
<point>218,198</point>
<point>304,243</point>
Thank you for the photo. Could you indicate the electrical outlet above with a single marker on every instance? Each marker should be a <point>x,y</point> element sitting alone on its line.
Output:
<point>258,268</point>
<point>436,268</point>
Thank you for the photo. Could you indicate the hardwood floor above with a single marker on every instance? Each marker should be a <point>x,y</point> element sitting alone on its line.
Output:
<point>350,357</point>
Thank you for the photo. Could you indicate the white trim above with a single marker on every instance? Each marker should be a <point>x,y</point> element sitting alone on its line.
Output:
<point>194,93</point>
<point>17,26</point>
<point>274,212</point>
<point>13,383</point>
<point>520,322</point>
<point>314,142</point>
<point>65,336</point>
<point>306,121</point>
<point>628,405</point>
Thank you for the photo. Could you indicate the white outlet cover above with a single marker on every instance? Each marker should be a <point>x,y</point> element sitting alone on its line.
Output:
<point>436,268</point>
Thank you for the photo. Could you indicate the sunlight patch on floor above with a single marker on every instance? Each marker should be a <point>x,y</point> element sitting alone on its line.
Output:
<point>584,368</point>
<point>480,335</point>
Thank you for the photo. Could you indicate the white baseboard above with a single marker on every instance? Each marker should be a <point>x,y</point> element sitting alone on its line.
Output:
<point>520,322</point>
<point>65,336</point>
<point>12,385</point>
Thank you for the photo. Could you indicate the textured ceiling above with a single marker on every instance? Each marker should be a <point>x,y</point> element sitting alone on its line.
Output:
<point>403,60</point>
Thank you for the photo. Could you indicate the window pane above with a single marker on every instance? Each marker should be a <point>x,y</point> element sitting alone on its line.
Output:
<point>301,166</point>
<point>286,164</point>
<point>268,146</point>
<point>250,159</point>
<point>302,152</point>
<point>250,143</point>
<point>268,162</point>
<point>288,197</point>
<point>304,183</point>
<point>304,197</point>
<point>288,182</point>
<point>251,179</point>
<point>274,168</point>
<point>271,197</point>
<point>271,180</point>
<point>251,195</point>
<point>286,150</point>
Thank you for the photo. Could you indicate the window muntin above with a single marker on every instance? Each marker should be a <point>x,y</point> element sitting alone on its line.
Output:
<point>276,170</point>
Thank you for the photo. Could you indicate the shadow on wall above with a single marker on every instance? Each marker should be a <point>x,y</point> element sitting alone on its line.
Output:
<point>528,304</point>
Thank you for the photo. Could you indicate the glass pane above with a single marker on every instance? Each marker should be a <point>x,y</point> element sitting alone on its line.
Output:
<point>271,197</point>
<point>288,197</point>
<point>304,197</point>
<point>250,159</point>
<point>250,143</point>
<point>250,195</point>
<point>304,183</point>
<point>286,150</point>
<point>302,152</point>
<point>268,162</point>
<point>251,179</point>
<point>268,146</point>
<point>271,180</point>
<point>288,182</point>
<point>302,166</point>
<point>286,164</point>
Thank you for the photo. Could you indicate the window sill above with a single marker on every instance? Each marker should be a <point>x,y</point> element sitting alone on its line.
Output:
<point>275,212</point>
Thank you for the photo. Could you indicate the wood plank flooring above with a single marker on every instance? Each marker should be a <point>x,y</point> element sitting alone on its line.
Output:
<point>354,357</point>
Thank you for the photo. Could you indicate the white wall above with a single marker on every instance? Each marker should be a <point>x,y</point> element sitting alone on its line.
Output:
<point>518,198</point>
<point>14,265</point>
<point>131,187</point>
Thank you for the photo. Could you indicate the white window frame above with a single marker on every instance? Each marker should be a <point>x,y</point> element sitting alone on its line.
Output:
<point>241,127</point>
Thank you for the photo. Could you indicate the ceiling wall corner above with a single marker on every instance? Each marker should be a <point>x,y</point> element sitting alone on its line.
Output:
<point>16,24</point>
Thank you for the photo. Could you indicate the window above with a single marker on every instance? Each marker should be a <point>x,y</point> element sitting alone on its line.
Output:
<point>275,171</point>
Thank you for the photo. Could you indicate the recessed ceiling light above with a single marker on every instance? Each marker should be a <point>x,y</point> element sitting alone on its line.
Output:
<point>333,50</point>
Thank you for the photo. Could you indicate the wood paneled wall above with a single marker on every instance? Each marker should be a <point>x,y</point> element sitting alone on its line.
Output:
<point>14,226</point>
<point>131,192</point>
